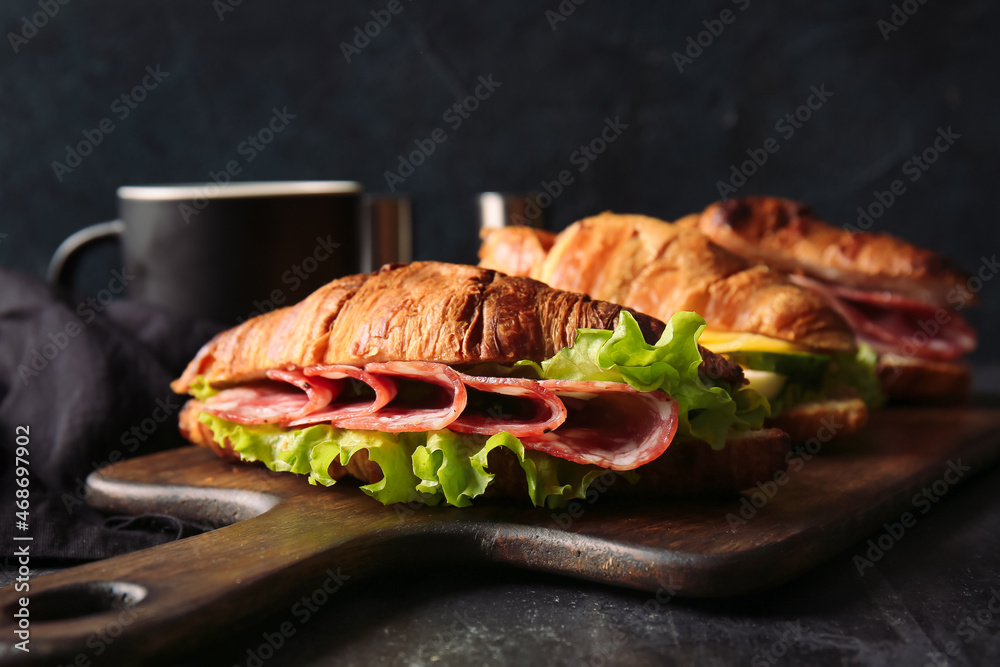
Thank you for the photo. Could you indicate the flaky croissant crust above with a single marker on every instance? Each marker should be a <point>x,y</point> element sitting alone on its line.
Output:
<point>424,311</point>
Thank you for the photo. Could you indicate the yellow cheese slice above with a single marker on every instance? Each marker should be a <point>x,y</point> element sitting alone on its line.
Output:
<point>736,341</point>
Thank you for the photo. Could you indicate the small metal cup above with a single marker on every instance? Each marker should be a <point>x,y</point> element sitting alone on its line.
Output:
<point>503,209</point>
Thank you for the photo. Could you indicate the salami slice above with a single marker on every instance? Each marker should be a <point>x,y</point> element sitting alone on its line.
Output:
<point>898,325</point>
<point>518,406</point>
<point>288,396</point>
<point>608,424</point>
<point>430,397</point>
<point>352,403</point>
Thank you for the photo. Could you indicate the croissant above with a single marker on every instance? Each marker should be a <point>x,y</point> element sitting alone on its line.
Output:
<point>387,376</point>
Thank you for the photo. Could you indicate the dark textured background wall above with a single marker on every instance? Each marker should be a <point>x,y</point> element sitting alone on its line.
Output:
<point>230,64</point>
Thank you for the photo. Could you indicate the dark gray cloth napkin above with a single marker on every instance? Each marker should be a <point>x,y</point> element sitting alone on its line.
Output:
<point>89,382</point>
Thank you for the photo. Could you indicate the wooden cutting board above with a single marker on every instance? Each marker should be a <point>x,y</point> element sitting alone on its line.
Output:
<point>283,538</point>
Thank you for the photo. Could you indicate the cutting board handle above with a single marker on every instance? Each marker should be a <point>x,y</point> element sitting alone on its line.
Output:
<point>278,548</point>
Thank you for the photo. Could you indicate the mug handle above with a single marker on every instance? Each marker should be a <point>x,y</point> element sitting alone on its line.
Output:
<point>57,274</point>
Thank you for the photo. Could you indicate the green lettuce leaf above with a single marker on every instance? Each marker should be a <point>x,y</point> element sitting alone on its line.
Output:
<point>431,467</point>
<point>201,389</point>
<point>708,411</point>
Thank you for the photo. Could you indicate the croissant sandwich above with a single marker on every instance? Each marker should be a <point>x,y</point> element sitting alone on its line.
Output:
<point>434,383</point>
<point>901,300</point>
<point>795,349</point>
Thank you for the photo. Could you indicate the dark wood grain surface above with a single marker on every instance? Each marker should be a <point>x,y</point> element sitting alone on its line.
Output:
<point>287,537</point>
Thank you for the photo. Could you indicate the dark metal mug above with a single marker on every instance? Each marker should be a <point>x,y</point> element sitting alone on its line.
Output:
<point>228,252</point>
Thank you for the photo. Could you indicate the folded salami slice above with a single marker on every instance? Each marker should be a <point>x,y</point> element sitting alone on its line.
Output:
<point>384,387</point>
<point>896,324</point>
<point>518,406</point>
<point>609,424</point>
<point>431,396</point>
<point>293,395</point>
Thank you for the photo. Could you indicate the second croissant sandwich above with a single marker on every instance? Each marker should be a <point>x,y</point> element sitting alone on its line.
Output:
<point>795,348</point>
<point>434,383</point>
